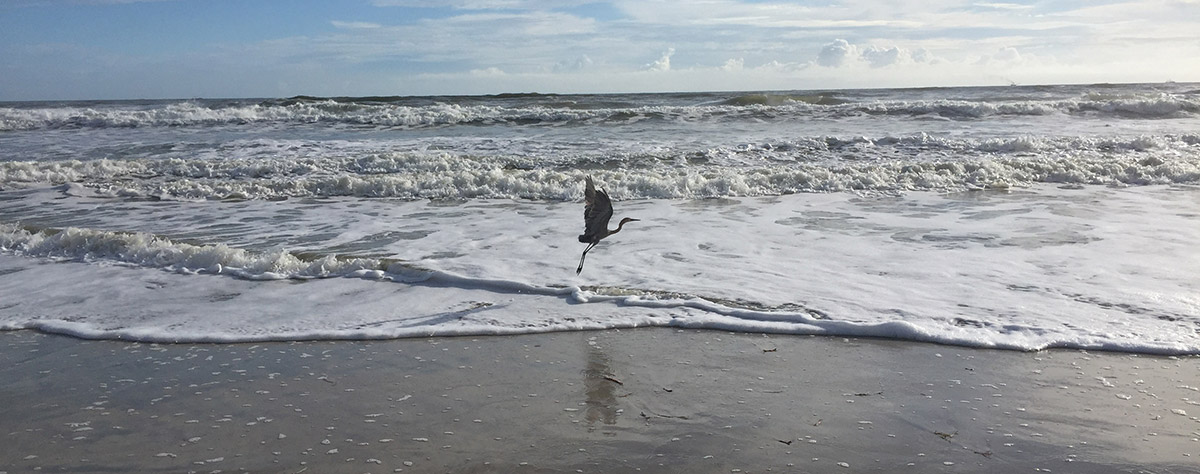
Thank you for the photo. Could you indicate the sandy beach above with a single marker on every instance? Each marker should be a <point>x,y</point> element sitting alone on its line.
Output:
<point>644,400</point>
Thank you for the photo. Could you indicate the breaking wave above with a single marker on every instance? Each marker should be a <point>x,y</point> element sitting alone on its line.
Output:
<point>147,250</point>
<point>364,112</point>
<point>808,165</point>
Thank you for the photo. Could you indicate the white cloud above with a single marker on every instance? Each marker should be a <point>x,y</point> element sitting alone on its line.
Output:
<point>836,53</point>
<point>1004,6</point>
<point>488,72</point>
<point>753,44</point>
<point>776,67</point>
<point>355,25</point>
<point>483,4</point>
<point>1007,54</point>
<point>841,53</point>
<point>922,55</point>
<point>578,64</point>
<point>487,46</point>
<point>880,57</point>
<point>771,14</point>
<point>663,63</point>
<point>527,23</point>
<point>514,42</point>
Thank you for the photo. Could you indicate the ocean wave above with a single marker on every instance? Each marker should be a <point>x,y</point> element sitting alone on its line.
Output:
<point>436,114</point>
<point>157,252</point>
<point>147,250</point>
<point>186,114</point>
<point>758,171</point>
<point>461,299</point>
<point>784,99</point>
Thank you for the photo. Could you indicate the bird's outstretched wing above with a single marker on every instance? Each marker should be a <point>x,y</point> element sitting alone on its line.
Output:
<point>597,212</point>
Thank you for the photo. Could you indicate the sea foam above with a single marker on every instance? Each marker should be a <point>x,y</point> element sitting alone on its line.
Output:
<point>438,114</point>
<point>146,250</point>
<point>826,165</point>
<point>1014,270</point>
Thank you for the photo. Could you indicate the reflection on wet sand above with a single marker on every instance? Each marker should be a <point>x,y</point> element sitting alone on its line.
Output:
<point>600,387</point>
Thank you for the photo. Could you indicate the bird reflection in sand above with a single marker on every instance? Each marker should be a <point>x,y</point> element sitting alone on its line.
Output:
<point>600,387</point>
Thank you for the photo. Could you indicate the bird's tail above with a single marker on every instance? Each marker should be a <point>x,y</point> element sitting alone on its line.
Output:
<point>583,239</point>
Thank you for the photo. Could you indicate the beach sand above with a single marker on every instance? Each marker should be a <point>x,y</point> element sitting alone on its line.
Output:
<point>641,400</point>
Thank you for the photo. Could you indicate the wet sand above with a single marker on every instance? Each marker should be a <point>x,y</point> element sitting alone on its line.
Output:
<point>645,400</point>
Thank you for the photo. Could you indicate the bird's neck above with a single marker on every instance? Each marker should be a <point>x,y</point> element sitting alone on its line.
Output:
<point>618,229</point>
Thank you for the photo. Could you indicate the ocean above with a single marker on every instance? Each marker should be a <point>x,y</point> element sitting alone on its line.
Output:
<point>1021,217</point>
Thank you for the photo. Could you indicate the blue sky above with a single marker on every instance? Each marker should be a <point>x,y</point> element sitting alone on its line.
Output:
<point>124,49</point>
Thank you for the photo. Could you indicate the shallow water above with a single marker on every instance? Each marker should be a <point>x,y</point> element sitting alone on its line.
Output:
<point>1028,269</point>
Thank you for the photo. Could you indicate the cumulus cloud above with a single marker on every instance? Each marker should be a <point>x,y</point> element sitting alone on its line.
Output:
<point>1007,54</point>
<point>1005,6</point>
<point>840,52</point>
<point>778,67</point>
<point>663,63</point>
<point>880,57</point>
<point>836,53</point>
<point>922,55</point>
<point>578,64</point>
<point>733,65</point>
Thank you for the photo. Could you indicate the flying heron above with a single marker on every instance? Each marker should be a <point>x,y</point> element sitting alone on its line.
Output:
<point>595,218</point>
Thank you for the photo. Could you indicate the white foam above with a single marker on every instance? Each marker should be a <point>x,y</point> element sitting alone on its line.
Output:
<point>448,112</point>
<point>1019,270</point>
<point>931,164</point>
<point>150,251</point>
<point>197,114</point>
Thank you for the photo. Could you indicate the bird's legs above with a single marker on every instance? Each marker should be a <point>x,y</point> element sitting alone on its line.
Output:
<point>585,251</point>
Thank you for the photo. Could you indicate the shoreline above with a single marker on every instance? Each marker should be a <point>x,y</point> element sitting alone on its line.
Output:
<point>619,400</point>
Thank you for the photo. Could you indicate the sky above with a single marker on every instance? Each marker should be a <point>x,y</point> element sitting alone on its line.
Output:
<point>131,49</point>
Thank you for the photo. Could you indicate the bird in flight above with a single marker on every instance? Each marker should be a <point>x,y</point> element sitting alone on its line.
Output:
<point>595,218</point>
